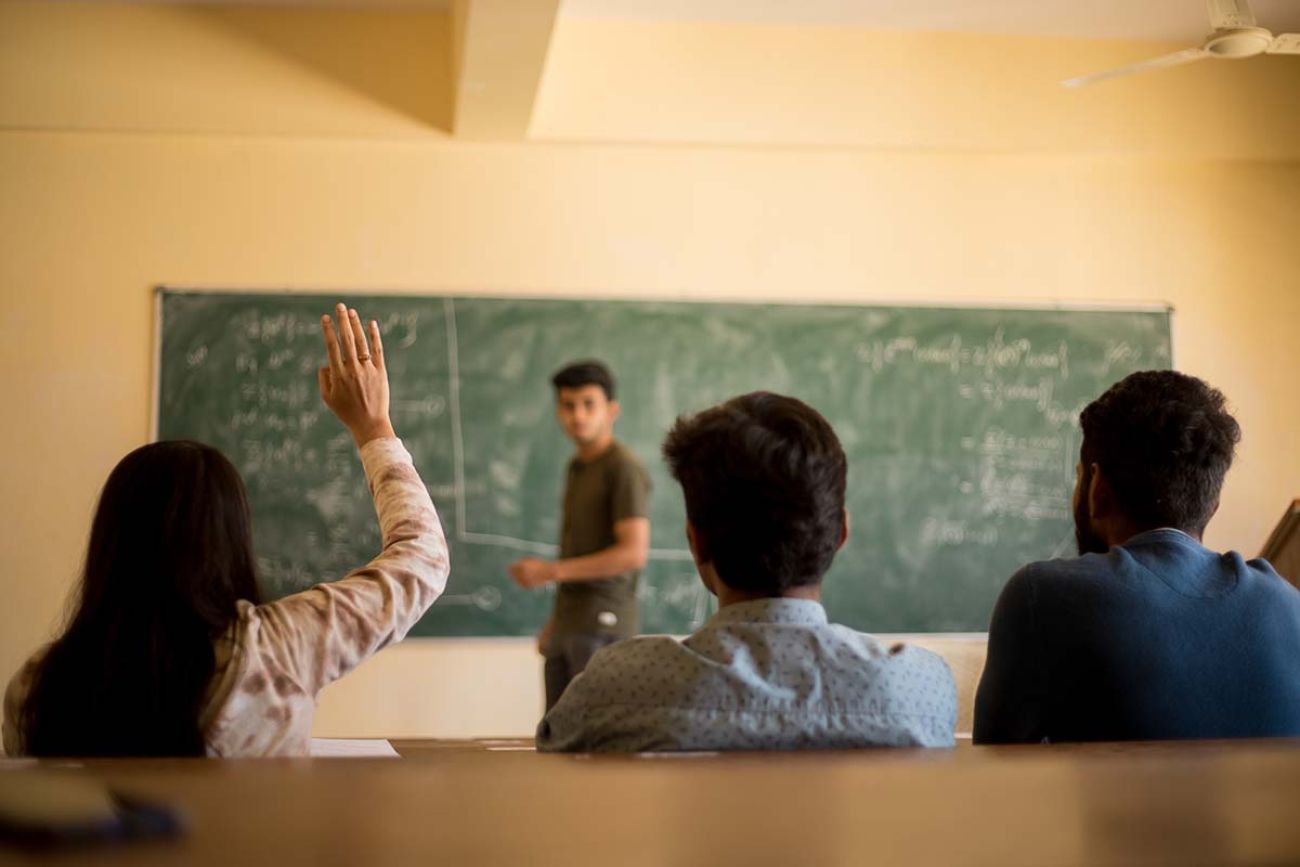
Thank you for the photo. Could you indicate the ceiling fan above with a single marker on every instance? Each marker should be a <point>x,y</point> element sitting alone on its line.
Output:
<point>1235,36</point>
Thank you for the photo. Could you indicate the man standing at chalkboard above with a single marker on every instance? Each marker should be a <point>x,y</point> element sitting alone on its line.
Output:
<point>604,535</point>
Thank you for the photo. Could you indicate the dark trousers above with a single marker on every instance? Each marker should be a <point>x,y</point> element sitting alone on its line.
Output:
<point>566,657</point>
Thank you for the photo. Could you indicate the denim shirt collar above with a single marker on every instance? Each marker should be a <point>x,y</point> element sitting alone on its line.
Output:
<point>796,612</point>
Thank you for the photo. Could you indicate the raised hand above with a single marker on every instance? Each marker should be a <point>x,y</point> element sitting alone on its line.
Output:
<point>355,383</point>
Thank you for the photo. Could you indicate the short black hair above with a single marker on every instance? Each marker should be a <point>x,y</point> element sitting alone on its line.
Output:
<point>587,372</point>
<point>1164,441</point>
<point>764,478</point>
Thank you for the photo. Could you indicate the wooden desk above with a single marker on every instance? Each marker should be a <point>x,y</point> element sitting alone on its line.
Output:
<point>414,748</point>
<point>1152,804</point>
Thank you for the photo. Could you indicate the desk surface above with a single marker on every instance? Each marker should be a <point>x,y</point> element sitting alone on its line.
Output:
<point>454,804</point>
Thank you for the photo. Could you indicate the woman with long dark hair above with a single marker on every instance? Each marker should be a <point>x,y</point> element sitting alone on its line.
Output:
<point>170,649</point>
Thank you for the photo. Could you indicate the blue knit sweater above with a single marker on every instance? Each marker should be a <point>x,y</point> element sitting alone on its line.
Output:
<point>1159,638</point>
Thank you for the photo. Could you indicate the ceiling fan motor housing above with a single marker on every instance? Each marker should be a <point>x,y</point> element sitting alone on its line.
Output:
<point>1238,42</point>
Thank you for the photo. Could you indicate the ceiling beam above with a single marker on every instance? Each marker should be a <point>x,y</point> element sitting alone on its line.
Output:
<point>499,52</point>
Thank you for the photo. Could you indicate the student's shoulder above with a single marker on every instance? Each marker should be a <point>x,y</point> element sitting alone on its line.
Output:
<point>924,676</point>
<point>1064,575</point>
<point>619,667</point>
<point>897,654</point>
<point>1260,575</point>
<point>920,657</point>
<point>632,653</point>
<point>911,676</point>
<point>1051,594</point>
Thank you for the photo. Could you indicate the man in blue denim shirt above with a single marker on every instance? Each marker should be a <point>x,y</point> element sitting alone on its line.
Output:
<point>1148,634</point>
<point>764,478</point>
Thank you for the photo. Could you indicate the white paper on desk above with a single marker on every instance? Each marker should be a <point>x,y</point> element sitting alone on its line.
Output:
<point>352,748</point>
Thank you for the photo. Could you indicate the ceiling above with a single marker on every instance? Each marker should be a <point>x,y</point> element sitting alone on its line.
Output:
<point>1169,20</point>
<point>1174,20</point>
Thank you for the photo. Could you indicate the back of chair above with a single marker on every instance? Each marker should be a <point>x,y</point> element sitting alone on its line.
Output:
<point>1283,547</point>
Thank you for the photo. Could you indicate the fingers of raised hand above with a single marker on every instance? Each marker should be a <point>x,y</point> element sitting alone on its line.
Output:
<point>331,342</point>
<point>347,339</point>
<point>358,336</point>
<point>376,345</point>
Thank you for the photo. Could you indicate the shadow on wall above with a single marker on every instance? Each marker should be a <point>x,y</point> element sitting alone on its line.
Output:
<point>398,58</point>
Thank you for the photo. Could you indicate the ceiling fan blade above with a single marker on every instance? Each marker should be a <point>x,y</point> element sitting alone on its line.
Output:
<point>1231,14</point>
<point>1284,43</point>
<point>1176,59</point>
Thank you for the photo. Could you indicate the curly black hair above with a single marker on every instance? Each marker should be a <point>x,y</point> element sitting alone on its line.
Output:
<point>764,478</point>
<point>1164,441</point>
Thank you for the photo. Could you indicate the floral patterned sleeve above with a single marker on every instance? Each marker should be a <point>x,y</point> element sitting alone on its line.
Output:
<point>316,636</point>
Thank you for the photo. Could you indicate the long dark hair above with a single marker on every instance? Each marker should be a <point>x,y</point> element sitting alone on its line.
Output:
<point>170,554</point>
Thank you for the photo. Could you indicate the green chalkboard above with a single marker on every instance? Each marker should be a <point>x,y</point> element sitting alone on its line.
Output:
<point>961,427</point>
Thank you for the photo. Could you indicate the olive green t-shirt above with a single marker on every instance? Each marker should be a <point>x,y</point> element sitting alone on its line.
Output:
<point>597,495</point>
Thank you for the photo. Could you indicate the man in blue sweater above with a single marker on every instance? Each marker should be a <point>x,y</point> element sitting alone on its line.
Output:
<point>1147,634</point>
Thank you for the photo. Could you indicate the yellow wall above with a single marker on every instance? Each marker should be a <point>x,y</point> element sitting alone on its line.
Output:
<point>94,213</point>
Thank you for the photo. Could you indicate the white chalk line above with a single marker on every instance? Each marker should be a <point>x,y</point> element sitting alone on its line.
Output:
<point>1062,547</point>
<point>485,598</point>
